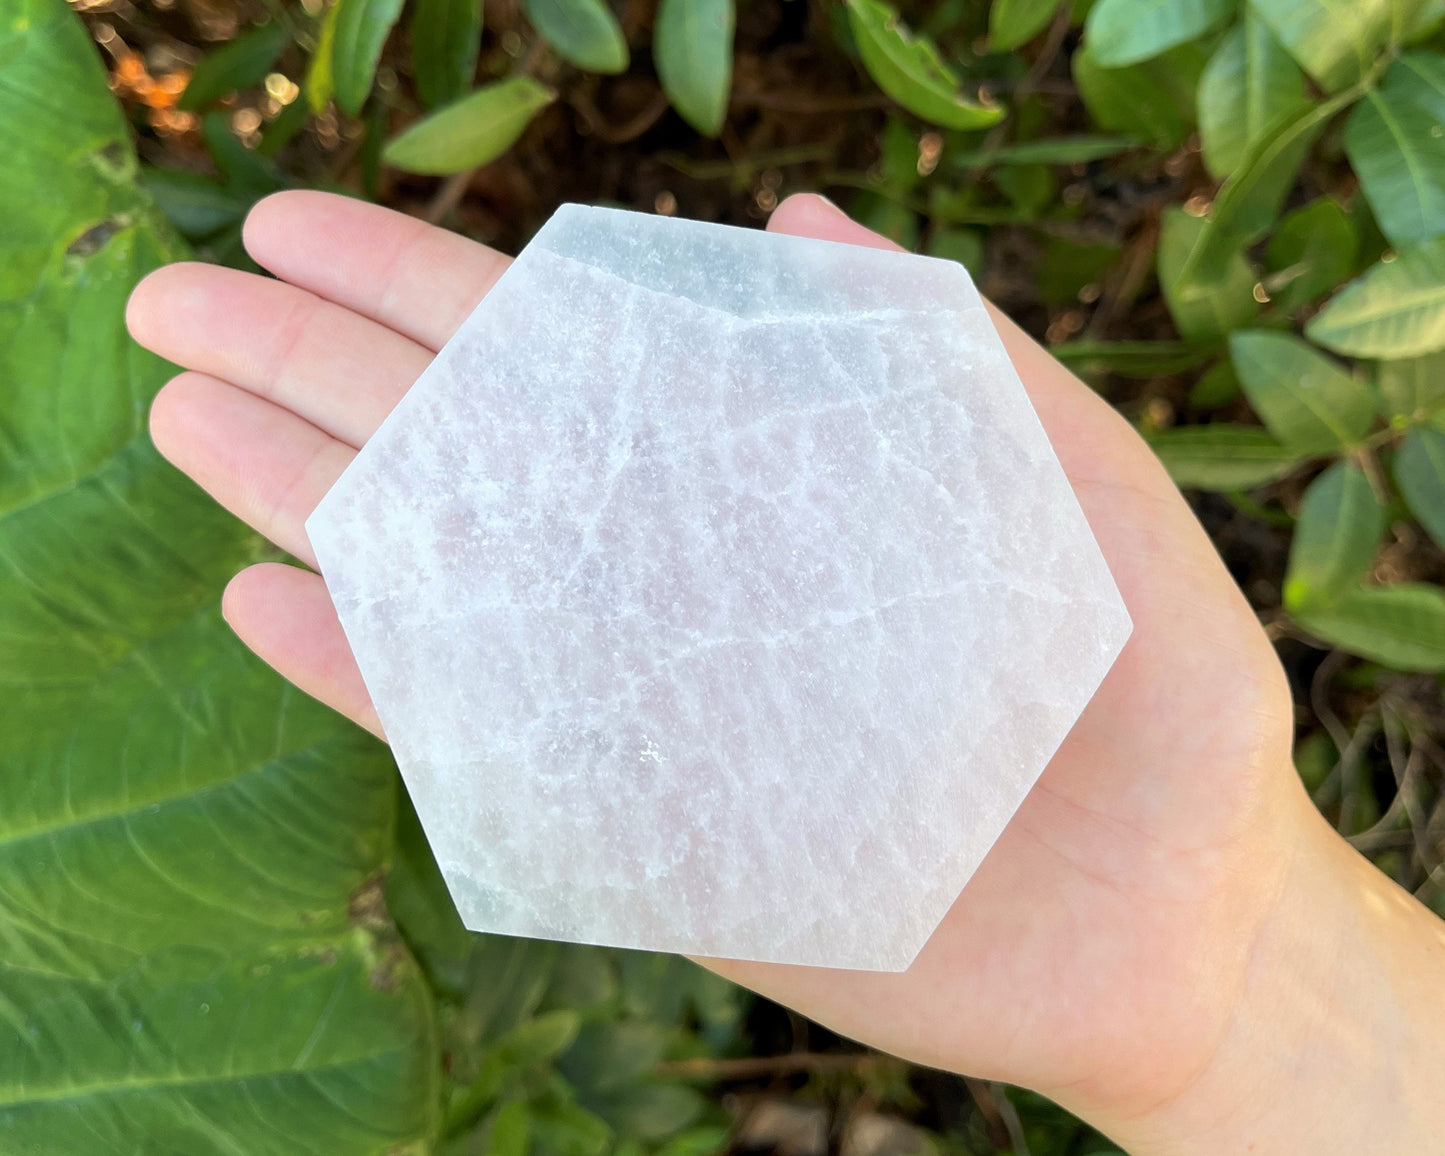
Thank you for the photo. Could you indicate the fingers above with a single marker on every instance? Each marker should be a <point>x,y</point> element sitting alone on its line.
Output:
<point>285,615</point>
<point>331,367</point>
<point>262,462</point>
<point>412,277</point>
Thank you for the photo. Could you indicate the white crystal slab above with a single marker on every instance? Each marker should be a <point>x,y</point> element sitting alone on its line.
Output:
<point>719,592</point>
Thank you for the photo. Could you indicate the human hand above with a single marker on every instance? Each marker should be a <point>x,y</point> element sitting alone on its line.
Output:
<point>1146,940</point>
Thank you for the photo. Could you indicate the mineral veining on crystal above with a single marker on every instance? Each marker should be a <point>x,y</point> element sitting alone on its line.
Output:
<point>719,592</point>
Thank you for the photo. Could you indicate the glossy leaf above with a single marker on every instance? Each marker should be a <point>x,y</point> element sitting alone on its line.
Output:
<point>1202,309</point>
<point>1412,389</point>
<point>1250,200</point>
<point>240,64</point>
<point>1249,84</point>
<point>1124,32</point>
<point>1305,398</point>
<point>908,68</point>
<point>445,36</point>
<point>692,47</point>
<point>1153,101</point>
<point>1222,456</point>
<point>1396,310</point>
<point>1012,23</point>
<point>1311,252</point>
<point>195,958</point>
<point>472,131</point>
<point>584,32</point>
<point>361,29</point>
<point>1420,474</point>
<point>1335,41</point>
<point>1395,139</point>
<point>1340,524</point>
<point>1402,626</point>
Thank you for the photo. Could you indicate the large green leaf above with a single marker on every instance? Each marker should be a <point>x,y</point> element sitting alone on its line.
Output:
<point>908,67</point>
<point>1012,23</point>
<point>241,63</point>
<point>1303,397</point>
<point>1123,32</point>
<point>472,131</point>
<point>1248,85</point>
<point>1335,41</point>
<point>1341,522</point>
<point>194,957</point>
<point>692,47</point>
<point>1411,390</point>
<point>1420,474</point>
<point>584,32</point>
<point>1311,252</point>
<point>1222,456</point>
<point>360,32</point>
<point>1395,139</point>
<point>1202,309</point>
<point>1396,310</point>
<point>445,36</point>
<point>1153,101</point>
<point>1401,626</point>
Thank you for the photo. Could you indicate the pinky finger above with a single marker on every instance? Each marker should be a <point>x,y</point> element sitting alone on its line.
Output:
<point>285,615</point>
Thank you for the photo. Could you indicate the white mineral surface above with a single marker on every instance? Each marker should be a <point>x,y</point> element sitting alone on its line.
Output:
<point>719,592</point>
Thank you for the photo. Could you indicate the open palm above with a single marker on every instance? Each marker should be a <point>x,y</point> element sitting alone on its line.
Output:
<point>1099,946</point>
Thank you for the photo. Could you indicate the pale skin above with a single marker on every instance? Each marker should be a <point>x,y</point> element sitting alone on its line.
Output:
<point>1167,939</point>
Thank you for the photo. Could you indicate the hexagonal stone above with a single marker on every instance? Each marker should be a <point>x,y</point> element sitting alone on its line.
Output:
<point>719,592</point>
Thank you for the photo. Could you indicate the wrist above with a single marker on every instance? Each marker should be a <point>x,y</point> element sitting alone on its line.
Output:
<point>1335,1038</point>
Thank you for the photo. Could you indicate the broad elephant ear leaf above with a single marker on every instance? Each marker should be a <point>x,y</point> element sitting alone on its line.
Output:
<point>194,953</point>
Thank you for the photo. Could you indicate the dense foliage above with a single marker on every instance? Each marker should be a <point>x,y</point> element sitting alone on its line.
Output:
<point>220,928</point>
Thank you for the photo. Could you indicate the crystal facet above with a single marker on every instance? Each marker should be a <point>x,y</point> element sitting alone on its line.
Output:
<point>719,592</point>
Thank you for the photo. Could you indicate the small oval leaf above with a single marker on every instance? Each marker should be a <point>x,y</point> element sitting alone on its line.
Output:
<point>692,46</point>
<point>1401,626</point>
<point>909,69</point>
<point>472,131</point>
<point>1420,474</point>
<point>584,32</point>
<point>1222,456</point>
<point>1341,522</point>
<point>1305,398</point>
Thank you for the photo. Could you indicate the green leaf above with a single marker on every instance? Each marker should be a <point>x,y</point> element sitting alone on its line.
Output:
<point>1340,524</point>
<point>1124,32</point>
<point>1068,150</point>
<point>1335,41</point>
<point>240,64</point>
<point>1413,389</point>
<point>194,957</point>
<point>1395,140</point>
<point>471,132</point>
<point>584,33</point>
<point>1311,252</point>
<point>1250,200</point>
<point>1222,456</point>
<point>966,246</point>
<point>509,1132</point>
<point>195,205</point>
<point>692,47</point>
<point>320,83</point>
<point>1153,101</point>
<point>1134,358</point>
<point>1012,23</point>
<point>649,1111</point>
<point>1396,310</point>
<point>1402,626</point>
<point>1420,474</point>
<point>1248,85</point>
<point>1303,397</point>
<point>362,27</point>
<point>445,36</point>
<point>908,68</point>
<point>1202,309</point>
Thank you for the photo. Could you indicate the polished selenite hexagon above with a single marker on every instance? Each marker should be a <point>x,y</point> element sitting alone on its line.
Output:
<point>719,592</point>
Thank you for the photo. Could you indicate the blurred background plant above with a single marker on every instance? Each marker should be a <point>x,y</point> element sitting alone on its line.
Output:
<point>1227,215</point>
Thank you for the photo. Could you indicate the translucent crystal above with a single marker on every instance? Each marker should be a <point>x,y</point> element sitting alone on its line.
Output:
<point>719,592</point>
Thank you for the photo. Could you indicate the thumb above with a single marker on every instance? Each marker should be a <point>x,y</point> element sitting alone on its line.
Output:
<point>813,215</point>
